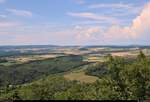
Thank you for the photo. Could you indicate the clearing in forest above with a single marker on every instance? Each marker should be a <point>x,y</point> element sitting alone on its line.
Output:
<point>80,76</point>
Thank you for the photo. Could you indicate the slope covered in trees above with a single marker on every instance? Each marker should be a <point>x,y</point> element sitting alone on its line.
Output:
<point>125,81</point>
<point>24,73</point>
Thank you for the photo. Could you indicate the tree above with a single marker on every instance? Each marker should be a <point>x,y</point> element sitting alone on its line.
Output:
<point>116,79</point>
<point>139,77</point>
<point>141,56</point>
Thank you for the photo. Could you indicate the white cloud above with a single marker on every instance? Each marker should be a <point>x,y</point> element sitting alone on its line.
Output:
<point>141,24</point>
<point>24,13</point>
<point>86,32</point>
<point>139,30</point>
<point>93,16</point>
<point>118,9</point>
<point>115,5</point>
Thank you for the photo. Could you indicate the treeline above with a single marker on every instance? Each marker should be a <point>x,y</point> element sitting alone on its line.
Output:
<point>119,81</point>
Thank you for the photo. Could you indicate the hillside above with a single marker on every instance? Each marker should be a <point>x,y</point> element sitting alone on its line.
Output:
<point>27,72</point>
<point>118,80</point>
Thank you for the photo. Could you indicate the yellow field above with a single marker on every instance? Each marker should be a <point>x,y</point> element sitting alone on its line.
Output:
<point>24,59</point>
<point>95,59</point>
<point>80,76</point>
<point>123,54</point>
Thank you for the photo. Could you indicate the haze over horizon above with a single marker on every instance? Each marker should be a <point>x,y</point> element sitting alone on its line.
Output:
<point>74,22</point>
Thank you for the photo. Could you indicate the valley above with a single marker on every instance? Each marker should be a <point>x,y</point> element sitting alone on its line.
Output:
<point>68,72</point>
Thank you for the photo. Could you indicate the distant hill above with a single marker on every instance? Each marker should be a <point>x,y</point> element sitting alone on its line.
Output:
<point>118,46</point>
<point>28,46</point>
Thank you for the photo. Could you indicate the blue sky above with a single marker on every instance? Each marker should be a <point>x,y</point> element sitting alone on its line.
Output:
<point>74,22</point>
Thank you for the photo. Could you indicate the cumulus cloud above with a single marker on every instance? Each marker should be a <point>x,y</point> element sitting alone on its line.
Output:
<point>139,29</point>
<point>141,25</point>
<point>86,32</point>
<point>24,13</point>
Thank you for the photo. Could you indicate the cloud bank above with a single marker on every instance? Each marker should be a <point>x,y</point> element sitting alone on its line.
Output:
<point>138,30</point>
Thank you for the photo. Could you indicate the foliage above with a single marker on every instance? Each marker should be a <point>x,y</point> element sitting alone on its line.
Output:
<point>122,81</point>
<point>98,70</point>
<point>28,72</point>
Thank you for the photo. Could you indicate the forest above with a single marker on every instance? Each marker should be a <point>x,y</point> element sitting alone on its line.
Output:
<point>118,79</point>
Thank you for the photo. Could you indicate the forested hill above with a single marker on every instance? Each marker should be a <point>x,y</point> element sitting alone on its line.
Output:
<point>24,73</point>
<point>117,81</point>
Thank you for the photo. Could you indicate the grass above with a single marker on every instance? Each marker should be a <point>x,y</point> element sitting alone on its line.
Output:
<point>79,75</point>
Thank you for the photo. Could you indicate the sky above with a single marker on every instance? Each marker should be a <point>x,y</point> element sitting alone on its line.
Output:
<point>74,22</point>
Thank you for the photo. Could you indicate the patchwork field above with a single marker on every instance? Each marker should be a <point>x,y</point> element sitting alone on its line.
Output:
<point>25,59</point>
